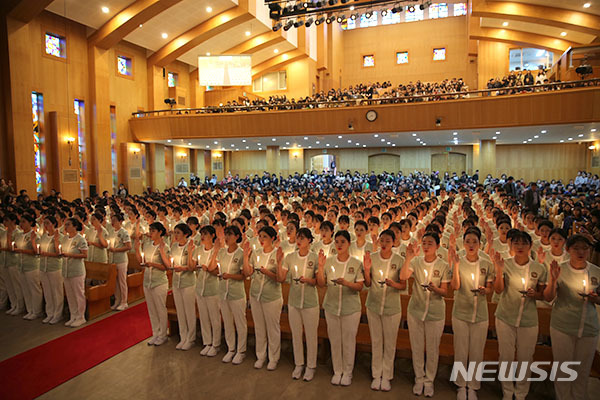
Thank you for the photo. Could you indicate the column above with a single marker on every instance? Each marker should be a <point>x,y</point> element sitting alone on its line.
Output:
<point>273,163</point>
<point>477,160</point>
<point>181,164</point>
<point>296,161</point>
<point>156,166</point>
<point>131,173</point>
<point>217,163</point>
<point>487,158</point>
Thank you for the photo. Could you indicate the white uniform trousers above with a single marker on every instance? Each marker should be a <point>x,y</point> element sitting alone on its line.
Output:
<point>32,291</point>
<point>309,319</point>
<point>121,286</point>
<point>469,343</point>
<point>571,348</point>
<point>52,284</point>
<point>267,328</point>
<point>341,332</point>
<point>522,340</point>
<point>156,300</point>
<point>3,287</point>
<point>185,304</point>
<point>425,336</point>
<point>17,301</point>
<point>384,334</point>
<point>210,319</point>
<point>75,291</point>
<point>234,320</point>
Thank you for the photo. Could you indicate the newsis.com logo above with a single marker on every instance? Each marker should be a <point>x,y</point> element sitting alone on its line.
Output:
<point>514,371</point>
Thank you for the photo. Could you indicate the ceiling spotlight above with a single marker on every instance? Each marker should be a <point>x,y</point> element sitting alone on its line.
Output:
<point>340,136</point>
<point>383,140</point>
<point>207,146</point>
<point>580,135</point>
<point>563,34</point>
<point>354,17</point>
<point>414,134</point>
<point>141,25</point>
<point>305,137</point>
<point>309,22</point>
<point>497,132</point>
<point>273,139</point>
<point>247,33</point>
<point>593,130</point>
<point>317,142</point>
<point>320,20</point>
<point>105,10</point>
<point>544,131</point>
<point>349,141</point>
<point>351,8</point>
<point>332,2</point>
<point>288,25</point>
<point>494,137</point>
<point>455,133</point>
<point>329,19</point>
<point>169,141</point>
<point>587,5</point>
<point>411,9</point>
<point>376,135</point>
<point>384,13</point>
<point>215,142</point>
<point>306,4</point>
<point>421,7</point>
<point>208,54</point>
<point>536,136</point>
<point>340,18</point>
<point>505,23</point>
<point>570,138</point>
<point>562,141</point>
<point>298,23</point>
<point>396,9</point>
<point>209,9</point>
<point>524,141</point>
<point>368,14</point>
<point>277,27</point>
<point>164,36</point>
<point>364,145</point>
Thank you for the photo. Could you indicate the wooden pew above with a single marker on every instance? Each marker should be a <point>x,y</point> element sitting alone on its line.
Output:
<point>135,281</point>
<point>98,297</point>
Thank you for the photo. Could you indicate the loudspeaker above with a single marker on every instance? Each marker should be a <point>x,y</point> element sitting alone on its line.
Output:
<point>163,72</point>
<point>93,191</point>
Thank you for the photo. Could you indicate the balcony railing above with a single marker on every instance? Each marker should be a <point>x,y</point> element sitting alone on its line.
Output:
<point>360,101</point>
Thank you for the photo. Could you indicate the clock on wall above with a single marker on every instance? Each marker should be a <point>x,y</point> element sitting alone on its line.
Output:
<point>371,115</point>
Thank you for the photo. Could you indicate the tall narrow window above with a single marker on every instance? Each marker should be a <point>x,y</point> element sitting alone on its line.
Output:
<point>79,109</point>
<point>173,79</point>
<point>37,111</point>
<point>460,9</point>
<point>113,146</point>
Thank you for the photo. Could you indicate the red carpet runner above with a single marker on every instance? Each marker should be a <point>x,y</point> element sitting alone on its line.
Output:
<point>36,371</point>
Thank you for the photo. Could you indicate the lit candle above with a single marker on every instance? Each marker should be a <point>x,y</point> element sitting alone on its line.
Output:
<point>473,278</point>
<point>143,260</point>
<point>60,249</point>
<point>381,272</point>
<point>12,246</point>
<point>199,260</point>
<point>172,262</point>
<point>426,279</point>
<point>584,287</point>
<point>108,243</point>
<point>296,269</point>
<point>38,249</point>
<point>523,280</point>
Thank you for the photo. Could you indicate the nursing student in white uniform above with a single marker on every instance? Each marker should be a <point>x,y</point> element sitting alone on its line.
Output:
<point>26,246</point>
<point>184,285</point>
<point>574,326</point>
<point>343,276</point>
<point>520,281</point>
<point>360,245</point>
<point>472,279</point>
<point>4,278</point>
<point>426,308</point>
<point>556,252</point>
<point>97,237</point>
<point>229,262</point>
<point>207,291</point>
<point>118,248</point>
<point>384,309</point>
<point>74,250</point>
<point>290,245</point>
<point>300,268</point>
<point>17,300</point>
<point>265,296</point>
<point>51,271</point>
<point>153,255</point>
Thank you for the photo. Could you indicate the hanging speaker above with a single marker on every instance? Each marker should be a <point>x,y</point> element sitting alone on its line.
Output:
<point>163,72</point>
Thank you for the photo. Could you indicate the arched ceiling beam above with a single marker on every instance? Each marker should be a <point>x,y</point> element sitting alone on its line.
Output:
<point>277,62</point>
<point>558,17</point>
<point>25,10</point>
<point>257,43</point>
<point>200,33</point>
<point>521,39</point>
<point>127,20</point>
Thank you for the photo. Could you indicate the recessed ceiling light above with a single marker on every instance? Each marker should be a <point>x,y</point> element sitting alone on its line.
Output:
<point>525,141</point>
<point>561,140</point>
<point>276,51</point>
<point>169,141</point>
<point>388,143</point>
<point>243,140</point>
<point>317,142</point>
<point>529,140</point>
<point>393,144</point>
<point>216,142</point>
<point>414,134</point>
<point>260,144</point>
<point>593,130</point>
<point>352,8</point>
<point>563,34</point>
<point>237,149</point>
<point>247,33</point>
<point>349,141</point>
<point>358,144</point>
<point>209,9</point>
<point>274,139</point>
<point>375,135</point>
<point>105,10</point>
<point>587,5</point>
<point>364,145</point>
<point>580,135</point>
<point>260,148</point>
<point>383,140</point>
<point>189,144</point>
<point>570,138</point>
<point>164,36</point>
<point>207,146</point>
<point>305,137</point>
<point>327,145</point>
<point>310,147</point>
<point>141,25</point>
<point>336,146</point>
<point>497,132</point>
<point>455,133</point>
<point>536,136</point>
<point>233,145</point>
<point>340,136</point>
<point>208,54</point>
<point>544,131</point>
<point>505,23</point>
<point>247,147</point>
<point>418,139</point>
<point>424,144</point>
<point>287,143</point>
<point>494,137</point>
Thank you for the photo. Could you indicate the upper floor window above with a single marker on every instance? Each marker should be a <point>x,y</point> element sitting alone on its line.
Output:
<point>439,54</point>
<point>173,79</point>
<point>124,65</point>
<point>438,10</point>
<point>389,17</point>
<point>56,45</point>
<point>368,21</point>
<point>369,60</point>
<point>460,9</point>
<point>416,15</point>
<point>529,58</point>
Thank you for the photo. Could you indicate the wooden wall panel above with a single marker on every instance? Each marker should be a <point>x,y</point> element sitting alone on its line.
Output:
<point>181,157</point>
<point>248,163</point>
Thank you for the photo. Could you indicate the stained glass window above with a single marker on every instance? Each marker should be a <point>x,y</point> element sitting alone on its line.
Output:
<point>416,15</point>
<point>438,10</point>
<point>172,79</point>
<point>390,18</point>
<point>113,146</point>
<point>369,61</point>
<point>124,65</point>
<point>37,112</point>
<point>55,45</point>
<point>79,109</point>
<point>402,57</point>
<point>460,9</point>
<point>366,22</point>
<point>439,54</point>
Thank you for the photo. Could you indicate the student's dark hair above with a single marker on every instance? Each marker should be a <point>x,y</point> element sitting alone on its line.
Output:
<point>76,224</point>
<point>501,221</point>
<point>193,221</point>
<point>295,224</point>
<point>235,231</point>
<point>546,223</point>
<point>343,234</point>
<point>344,219</point>
<point>362,223</point>
<point>327,225</point>
<point>52,220</point>
<point>29,218</point>
<point>118,216</point>
<point>157,226</point>
<point>306,233</point>
<point>220,222</point>
<point>390,233</point>
<point>374,220</point>
<point>521,236</point>
<point>432,234</point>
<point>269,230</point>
<point>558,231</point>
<point>577,238</point>
<point>473,230</point>
<point>184,229</point>
<point>209,230</point>
<point>98,216</point>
